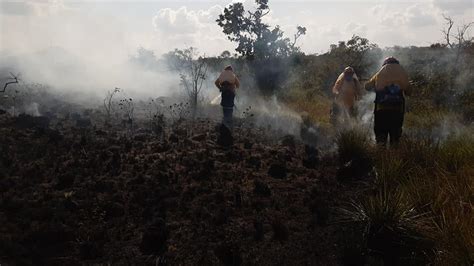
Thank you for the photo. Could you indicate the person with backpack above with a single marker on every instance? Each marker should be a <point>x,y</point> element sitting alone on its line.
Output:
<point>391,84</point>
<point>346,91</point>
<point>227,83</point>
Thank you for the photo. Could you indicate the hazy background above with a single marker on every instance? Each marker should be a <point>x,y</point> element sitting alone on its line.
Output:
<point>87,45</point>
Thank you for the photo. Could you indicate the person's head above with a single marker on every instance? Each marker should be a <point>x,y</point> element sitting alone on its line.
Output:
<point>348,73</point>
<point>390,60</point>
<point>229,67</point>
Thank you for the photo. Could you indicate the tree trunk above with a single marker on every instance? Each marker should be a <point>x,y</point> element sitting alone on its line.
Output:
<point>194,103</point>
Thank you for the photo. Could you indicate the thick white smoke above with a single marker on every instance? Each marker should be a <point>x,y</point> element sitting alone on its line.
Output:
<point>73,51</point>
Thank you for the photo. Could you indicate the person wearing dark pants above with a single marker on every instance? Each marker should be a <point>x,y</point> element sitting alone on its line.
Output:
<point>388,123</point>
<point>227,84</point>
<point>227,103</point>
<point>390,84</point>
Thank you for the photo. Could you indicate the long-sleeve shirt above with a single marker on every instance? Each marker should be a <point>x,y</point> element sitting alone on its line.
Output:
<point>347,91</point>
<point>388,75</point>
<point>230,77</point>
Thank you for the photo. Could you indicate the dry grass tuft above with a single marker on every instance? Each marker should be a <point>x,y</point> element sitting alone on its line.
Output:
<point>437,179</point>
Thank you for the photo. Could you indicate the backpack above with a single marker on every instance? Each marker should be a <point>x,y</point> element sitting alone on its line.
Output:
<point>391,95</point>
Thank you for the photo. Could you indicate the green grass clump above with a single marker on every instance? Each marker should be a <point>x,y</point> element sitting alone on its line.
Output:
<point>423,191</point>
<point>353,144</point>
<point>438,178</point>
<point>386,209</point>
<point>354,151</point>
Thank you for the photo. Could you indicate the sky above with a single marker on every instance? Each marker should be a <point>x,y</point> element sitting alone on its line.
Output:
<point>111,30</point>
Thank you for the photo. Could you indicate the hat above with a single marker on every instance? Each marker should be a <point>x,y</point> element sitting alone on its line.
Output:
<point>390,60</point>
<point>349,70</point>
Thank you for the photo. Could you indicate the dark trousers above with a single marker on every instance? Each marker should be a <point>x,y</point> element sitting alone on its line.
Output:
<point>227,103</point>
<point>388,123</point>
<point>228,113</point>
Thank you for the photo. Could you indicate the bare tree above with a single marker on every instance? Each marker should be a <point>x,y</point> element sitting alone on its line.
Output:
<point>460,36</point>
<point>192,70</point>
<point>457,42</point>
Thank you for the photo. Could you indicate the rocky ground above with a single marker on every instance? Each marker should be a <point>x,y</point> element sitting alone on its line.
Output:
<point>73,193</point>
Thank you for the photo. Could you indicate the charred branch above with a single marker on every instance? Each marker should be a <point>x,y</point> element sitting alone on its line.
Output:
<point>15,80</point>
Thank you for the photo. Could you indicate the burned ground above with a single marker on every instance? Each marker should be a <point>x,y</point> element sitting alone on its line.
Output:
<point>74,195</point>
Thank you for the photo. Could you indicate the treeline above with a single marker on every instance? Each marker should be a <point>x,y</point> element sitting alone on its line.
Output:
<point>271,64</point>
<point>438,78</point>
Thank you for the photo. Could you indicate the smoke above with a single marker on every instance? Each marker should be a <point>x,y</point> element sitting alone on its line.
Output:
<point>438,129</point>
<point>67,73</point>
<point>265,112</point>
<point>83,56</point>
<point>365,109</point>
<point>32,109</point>
<point>272,113</point>
<point>75,52</point>
<point>29,109</point>
<point>446,129</point>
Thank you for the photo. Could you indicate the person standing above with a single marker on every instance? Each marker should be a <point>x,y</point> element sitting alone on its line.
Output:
<point>390,84</point>
<point>346,91</point>
<point>227,83</point>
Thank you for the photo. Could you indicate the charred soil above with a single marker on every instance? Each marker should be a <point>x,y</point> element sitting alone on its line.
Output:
<point>73,195</point>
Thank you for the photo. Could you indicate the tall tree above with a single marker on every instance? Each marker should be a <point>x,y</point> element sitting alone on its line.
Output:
<point>358,53</point>
<point>255,38</point>
<point>265,47</point>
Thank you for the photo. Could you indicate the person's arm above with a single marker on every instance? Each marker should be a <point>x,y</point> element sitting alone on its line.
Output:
<point>370,85</point>
<point>237,82</point>
<point>218,83</point>
<point>337,85</point>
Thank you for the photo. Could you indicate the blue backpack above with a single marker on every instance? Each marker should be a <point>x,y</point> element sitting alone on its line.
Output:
<point>391,95</point>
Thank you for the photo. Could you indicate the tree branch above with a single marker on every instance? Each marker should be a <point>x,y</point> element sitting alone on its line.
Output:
<point>447,32</point>
<point>15,80</point>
